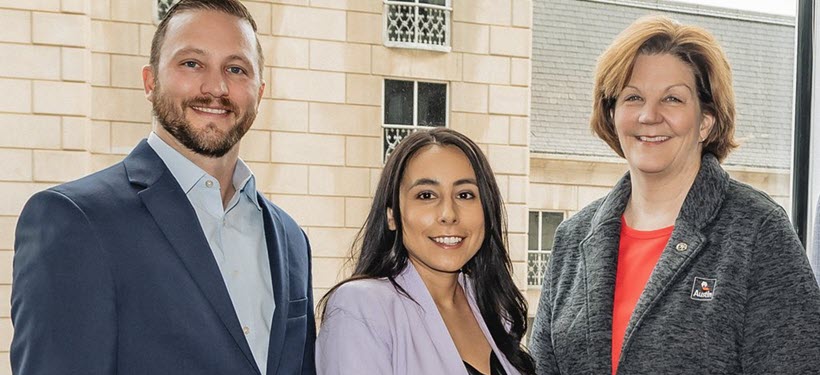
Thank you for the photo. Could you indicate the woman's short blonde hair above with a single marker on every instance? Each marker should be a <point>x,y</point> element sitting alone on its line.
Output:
<point>694,46</point>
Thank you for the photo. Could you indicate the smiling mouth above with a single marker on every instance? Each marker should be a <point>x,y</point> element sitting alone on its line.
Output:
<point>215,111</point>
<point>448,240</point>
<point>656,139</point>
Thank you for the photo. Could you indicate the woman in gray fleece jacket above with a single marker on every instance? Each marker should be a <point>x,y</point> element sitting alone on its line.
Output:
<point>686,270</point>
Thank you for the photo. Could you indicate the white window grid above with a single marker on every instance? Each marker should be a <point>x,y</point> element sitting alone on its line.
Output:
<point>392,143</point>
<point>410,31</point>
<point>537,259</point>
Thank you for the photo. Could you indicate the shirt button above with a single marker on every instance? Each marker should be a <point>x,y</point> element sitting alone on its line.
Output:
<point>682,246</point>
<point>246,330</point>
<point>209,183</point>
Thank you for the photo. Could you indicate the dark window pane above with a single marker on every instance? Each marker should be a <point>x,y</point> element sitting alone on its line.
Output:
<point>532,238</point>
<point>434,2</point>
<point>432,104</point>
<point>549,223</point>
<point>398,102</point>
<point>392,137</point>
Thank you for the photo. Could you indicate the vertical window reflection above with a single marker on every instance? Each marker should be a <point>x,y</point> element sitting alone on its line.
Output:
<point>432,109</point>
<point>398,102</point>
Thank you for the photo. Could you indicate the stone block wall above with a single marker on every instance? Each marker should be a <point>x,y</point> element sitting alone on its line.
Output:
<point>74,104</point>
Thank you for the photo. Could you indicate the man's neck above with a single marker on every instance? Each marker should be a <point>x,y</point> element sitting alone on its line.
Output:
<point>222,168</point>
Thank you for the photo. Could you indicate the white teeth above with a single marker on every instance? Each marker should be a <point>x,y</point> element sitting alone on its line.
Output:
<point>653,139</point>
<point>448,240</point>
<point>211,110</point>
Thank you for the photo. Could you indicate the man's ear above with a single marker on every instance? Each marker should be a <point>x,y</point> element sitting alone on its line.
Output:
<point>261,93</point>
<point>148,82</point>
<point>391,222</point>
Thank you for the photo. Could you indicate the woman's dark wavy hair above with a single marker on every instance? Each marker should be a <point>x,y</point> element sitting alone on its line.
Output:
<point>379,252</point>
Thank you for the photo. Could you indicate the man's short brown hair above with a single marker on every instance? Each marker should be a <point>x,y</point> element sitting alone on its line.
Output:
<point>232,7</point>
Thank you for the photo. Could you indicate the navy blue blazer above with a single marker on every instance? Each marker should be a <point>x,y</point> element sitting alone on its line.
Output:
<point>113,275</point>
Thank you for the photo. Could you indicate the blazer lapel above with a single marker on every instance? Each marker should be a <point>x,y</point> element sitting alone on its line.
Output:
<point>600,259</point>
<point>469,291</point>
<point>177,219</point>
<point>276,239</point>
<point>411,281</point>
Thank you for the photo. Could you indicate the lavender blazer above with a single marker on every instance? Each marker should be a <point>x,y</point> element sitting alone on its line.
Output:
<point>369,328</point>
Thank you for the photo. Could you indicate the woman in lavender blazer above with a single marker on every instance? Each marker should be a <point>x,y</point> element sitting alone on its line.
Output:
<point>431,292</point>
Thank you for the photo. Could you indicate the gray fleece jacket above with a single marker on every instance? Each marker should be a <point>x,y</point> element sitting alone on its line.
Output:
<point>732,293</point>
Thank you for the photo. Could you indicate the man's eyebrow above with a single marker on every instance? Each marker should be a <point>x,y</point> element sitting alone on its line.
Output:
<point>193,50</point>
<point>201,52</point>
<point>241,58</point>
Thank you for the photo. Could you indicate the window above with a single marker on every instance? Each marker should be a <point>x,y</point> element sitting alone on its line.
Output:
<point>421,24</point>
<point>161,9</point>
<point>411,106</point>
<point>539,244</point>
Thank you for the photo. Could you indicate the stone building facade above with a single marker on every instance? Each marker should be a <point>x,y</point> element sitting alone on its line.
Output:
<point>74,104</point>
<point>516,76</point>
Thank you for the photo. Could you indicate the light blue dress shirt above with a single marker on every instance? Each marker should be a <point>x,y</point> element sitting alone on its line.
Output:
<point>236,235</point>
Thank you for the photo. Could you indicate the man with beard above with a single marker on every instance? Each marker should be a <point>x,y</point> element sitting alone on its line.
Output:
<point>170,262</point>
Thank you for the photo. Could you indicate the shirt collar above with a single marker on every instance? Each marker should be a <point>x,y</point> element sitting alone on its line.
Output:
<point>185,171</point>
<point>245,182</point>
<point>188,174</point>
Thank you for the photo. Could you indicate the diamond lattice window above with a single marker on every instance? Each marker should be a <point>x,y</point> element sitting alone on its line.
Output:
<point>420,24</point>
<point>410,106</point>
<point>161,9</point>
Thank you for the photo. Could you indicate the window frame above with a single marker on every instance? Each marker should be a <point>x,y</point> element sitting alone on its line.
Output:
<point>155,14</point>
<point>540,249</point>
<point>416,4</point>
<point>415,126</point>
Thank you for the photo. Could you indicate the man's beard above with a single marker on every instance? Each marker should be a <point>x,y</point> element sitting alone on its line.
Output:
<point>210,141</point>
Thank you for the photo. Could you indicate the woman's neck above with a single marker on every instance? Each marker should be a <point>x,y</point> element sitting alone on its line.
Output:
<point>443,286</point>
<point>656,200</point>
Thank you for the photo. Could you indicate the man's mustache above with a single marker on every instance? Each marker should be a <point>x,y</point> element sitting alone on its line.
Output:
<point>206,101</point>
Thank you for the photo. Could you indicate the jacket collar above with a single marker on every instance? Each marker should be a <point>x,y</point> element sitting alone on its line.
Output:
<point>699,208</point>
<point>706,196</point>
<point>143,166</point>
<point>599,250</point>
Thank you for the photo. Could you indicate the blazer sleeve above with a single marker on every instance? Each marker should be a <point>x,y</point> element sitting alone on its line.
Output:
<point>782,319</point>
<point>541,336</point>
<point>63,304</point>
<point>351,341</point>
<point>309,361</point>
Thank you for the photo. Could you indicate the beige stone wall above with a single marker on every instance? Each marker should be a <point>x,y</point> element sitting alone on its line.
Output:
<point>568,184</point>
<point>73,104</point>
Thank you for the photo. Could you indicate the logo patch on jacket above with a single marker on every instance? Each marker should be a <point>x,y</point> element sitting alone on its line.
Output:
<point>703,289</point>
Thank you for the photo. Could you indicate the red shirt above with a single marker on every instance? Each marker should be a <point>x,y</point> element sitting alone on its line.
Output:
<point>638,253</point>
